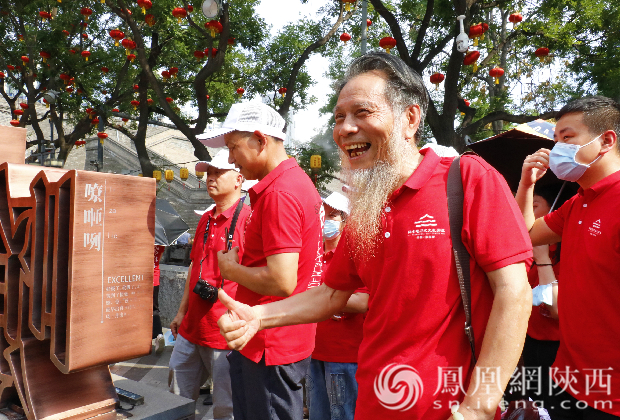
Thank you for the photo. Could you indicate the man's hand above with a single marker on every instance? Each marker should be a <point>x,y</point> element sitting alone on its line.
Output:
<point>175,324</point>
<point>226,259</point>
<point>534,167</point>
<point>240,323</point>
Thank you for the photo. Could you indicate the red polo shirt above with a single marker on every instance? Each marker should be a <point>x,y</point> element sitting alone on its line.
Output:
<point>339,340</point>
<point>541,327</point>
<point>199,324</point>
<point>589,224</point>
<point>416,314</point>
<point>287,217</point>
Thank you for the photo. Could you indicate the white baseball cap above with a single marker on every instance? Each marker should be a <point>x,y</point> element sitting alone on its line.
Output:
<point>219,161</point>
<point>246,116</point>
<point>337,201</point>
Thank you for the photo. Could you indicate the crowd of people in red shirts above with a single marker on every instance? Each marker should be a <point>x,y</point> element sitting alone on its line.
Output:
<point>361,297</point>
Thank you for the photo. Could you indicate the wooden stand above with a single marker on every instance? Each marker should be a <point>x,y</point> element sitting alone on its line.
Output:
<point>76,279</point>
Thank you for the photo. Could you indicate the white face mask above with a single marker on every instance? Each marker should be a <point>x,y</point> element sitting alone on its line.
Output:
<point>563,164</point>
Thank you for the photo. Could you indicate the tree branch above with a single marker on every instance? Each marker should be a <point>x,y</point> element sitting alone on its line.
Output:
<point>503,115</point>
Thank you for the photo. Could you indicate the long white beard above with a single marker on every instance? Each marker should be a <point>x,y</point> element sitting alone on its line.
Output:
<point>370,191</point>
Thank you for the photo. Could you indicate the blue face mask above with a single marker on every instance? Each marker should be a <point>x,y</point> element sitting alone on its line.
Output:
<point>542,294</point>
<point>563,164</point>
<point>331,229</point>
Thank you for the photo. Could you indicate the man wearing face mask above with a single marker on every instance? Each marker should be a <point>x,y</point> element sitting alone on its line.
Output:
<point>587,152</point>
<point>332,389</point>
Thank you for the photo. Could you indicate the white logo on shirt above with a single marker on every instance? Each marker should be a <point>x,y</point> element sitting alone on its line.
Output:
<point>594,230</point>
<point>426,228</point>
<point>398,387</point>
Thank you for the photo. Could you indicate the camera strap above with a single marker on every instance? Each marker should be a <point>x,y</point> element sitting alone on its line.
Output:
<point>230,232</point>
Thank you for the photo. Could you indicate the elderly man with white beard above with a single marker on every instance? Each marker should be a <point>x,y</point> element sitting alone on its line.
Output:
<point>414,361</point>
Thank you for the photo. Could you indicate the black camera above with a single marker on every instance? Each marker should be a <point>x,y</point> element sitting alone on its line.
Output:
<point>206,291</point>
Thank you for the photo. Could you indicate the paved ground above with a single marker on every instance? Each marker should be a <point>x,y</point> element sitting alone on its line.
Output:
<point>152,370</point>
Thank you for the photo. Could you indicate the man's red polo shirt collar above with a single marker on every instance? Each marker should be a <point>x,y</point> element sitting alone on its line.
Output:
<point>257,189</point>
<point>226,214</point>
<point>422,173</point>
<point>600,187</point>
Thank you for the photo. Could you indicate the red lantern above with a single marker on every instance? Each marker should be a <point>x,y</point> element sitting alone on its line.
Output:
<point>542,53</point>
<point>124,120</point>
<point>90,112</point>
<point>207,96</point>
<point>94,121</point>
<point>131,57</point>
<point>136,87</point>
<point>70,89</point>
<point>496,72</point>
<point>169,100</point>
<point>135,104</point>
<point>102,136</point>
<point>199,55</point>
<point>213,52</point>
<point>116,110</point>
<point>179,13</point>
<point>129,45</point>
<point>79,143</point>
<point>215,27</point>
<point>10,67</point>
<point>84,24</point>
<point>24,105</point>
<point>86,54</point>
<point>65,32</point>
<point>347,4</point>
<point>165,74</point>
<point>515,18</point>
<point>85,36</point>
<point>65,77</point>
<point>231,41</point>
<point>472,58</point>
<point>475,32</point>
<point>150,20</point>
<point>45,15</point>
<point>117,35</point>
<point>15,123</point>
<point>149,101</point>
<point>18,112</point>
<point>72,51</point>
<point>190,8</point>
<point>368,23</point>
<point>145,4</point>
<point>240,91</point>
<point>105,69</point>
<point>105,92</point>
<point>387,43</point>
<point>173,71</point>
<point>467,102</point>
<point>86,12</point>
<point>436,79</point>
<point>345,37</point>
<point>45,55</point>
<point>25,60</point>
<point>282,91</point>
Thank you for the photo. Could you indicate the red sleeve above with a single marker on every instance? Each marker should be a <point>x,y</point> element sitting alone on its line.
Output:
<point>555,220</point>
<point>494,231</point>
<point>341,273</point>
<point>282,229</point>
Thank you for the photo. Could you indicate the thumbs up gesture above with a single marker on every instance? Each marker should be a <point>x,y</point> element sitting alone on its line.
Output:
<point>240,323</point>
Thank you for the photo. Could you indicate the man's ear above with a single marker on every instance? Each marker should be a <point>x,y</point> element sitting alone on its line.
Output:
<point>411,121</point>
<point>239,180</point>
<point>610,141</point>
<point>262,139</point>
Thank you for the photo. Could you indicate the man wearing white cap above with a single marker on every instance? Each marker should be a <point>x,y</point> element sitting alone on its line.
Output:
<point>282,257</point>
<point>200,350</point>
<point>331,386</point>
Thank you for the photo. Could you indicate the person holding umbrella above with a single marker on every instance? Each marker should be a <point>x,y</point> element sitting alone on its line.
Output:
<point>587,151</point>
<point>200,351</point>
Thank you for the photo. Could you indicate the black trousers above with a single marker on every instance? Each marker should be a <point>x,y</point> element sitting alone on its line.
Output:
<point>156,318</point>
<point>540,353</point>
<point>266,392</point>
<point>567,407</point>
